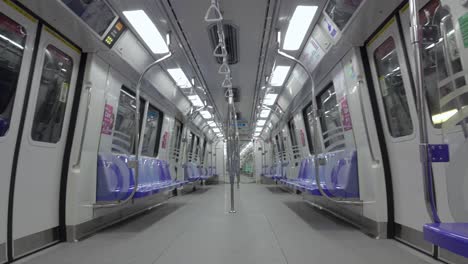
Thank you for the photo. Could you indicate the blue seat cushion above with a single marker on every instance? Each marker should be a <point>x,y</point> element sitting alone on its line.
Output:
<point>451,236</point>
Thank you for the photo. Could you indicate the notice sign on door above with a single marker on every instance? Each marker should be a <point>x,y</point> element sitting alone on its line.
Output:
<point>345,115</point>
<point>108,120</point>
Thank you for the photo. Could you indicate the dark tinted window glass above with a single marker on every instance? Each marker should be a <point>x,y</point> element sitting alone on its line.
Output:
<point>150,137</point>
<point>12,41</point>
<point>393,90</point>
<point>441,62</point>
<point>52,97</point>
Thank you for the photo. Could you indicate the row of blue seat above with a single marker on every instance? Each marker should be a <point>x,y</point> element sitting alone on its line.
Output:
<point>338,175</point>
<point>115,177</point>
<point>276,172</point>
<point>193,172</point>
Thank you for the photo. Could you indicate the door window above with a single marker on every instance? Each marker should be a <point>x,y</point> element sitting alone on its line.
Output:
<point>392,89</point>
<point>12,42</point>
<point>52,96</point>
<point>152,128</point>
<point>441,62</point>
<point>308,122</point>
<point>330,120</point>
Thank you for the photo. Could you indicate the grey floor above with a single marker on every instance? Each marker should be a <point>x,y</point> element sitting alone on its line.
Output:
<point>270,226</point>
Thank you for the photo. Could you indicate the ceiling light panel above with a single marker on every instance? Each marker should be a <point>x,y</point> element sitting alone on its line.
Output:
<point>206,114</point>
<point>147,30</point>
<point>279,75</point>
<point>261,123</point>
<point>180,78</point>
<point>270,99</point>
<point>211,124</point>
<point>265,113</point>
<point>196,101</point>
<point>298,27</point>
<point>216,130</point>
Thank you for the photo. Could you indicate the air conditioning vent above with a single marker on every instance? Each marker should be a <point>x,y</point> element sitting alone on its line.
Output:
<point>235,92</point>
<point>231,36</point>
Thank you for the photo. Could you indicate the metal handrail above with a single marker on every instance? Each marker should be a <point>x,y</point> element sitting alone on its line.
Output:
<point>428,181</point>
<point>88,87</point>
<point>135,164</point>
<point>375,161</point>
<point>213,8</point>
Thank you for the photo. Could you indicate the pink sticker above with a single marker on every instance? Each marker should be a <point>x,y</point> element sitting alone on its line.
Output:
<point>108,120</point>
<point>345,115</point>
<point>165,139</point>
<point>302,138</point>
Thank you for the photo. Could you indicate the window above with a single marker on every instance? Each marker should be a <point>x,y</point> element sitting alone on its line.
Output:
<point>308,122</point>
<point>152,132</point>
<point>203,152</point>
<point>440,63</point>
<point>178,139</point>
<point>196,148</point>
<point>293,136</point>
<point>340,11</point>
<point>392,89</point>
<point>52,96</point>
<point>123,140</point>
<point>330,120</point>
<point>12,42</point>
<point>190,146</point>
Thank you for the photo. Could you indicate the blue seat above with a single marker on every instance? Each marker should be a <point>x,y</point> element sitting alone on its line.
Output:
<point>191,172</point>
<point>338,175</point>
<point>343,180</point>
<point>114,178</point>
<point>166,176</point>
<point>450,236</point>
<point>4,125</point>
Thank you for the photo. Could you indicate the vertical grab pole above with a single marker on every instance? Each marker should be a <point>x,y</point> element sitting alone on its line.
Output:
<point>416,41</point>
<point>231,147</point>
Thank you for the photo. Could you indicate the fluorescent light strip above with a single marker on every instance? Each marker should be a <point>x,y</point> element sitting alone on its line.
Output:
<point>206,114</point>
<point>12,42</point>
<point>261,123</point>
<point>196,101</point>
<point>147,30</point>
<point>265,113</point>
<point>180,78</point>
<point>443,117</point>
<point>216,130</point>
<point>211,124</point>
<point>279,75</point>
<point>298,27</point>
<point>270,99</point>
<point>258,129</point>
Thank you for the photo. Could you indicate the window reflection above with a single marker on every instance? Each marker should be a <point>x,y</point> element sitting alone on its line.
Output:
<point>393,90</point>
<point>330,120</point>
<point>150,140</point>
<point>441,62</point>
<point>52,97</point>
<point>12,41</point>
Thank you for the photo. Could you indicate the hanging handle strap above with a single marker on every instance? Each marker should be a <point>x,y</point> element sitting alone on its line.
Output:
<point>213,14</point>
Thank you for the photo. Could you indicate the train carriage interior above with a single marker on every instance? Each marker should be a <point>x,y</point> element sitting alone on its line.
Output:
<point>233,131</point>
